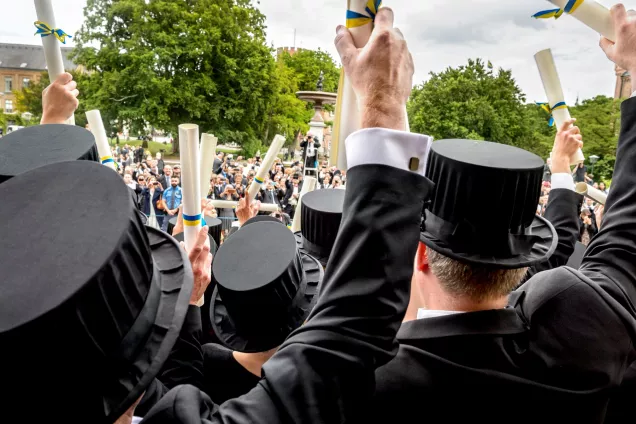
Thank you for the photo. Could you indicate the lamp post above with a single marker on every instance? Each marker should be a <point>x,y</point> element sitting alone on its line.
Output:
<point>593,160</point>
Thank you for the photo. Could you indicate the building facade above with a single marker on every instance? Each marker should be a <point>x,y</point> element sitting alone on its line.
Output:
<point>623,83</point>
<point>21,65</point>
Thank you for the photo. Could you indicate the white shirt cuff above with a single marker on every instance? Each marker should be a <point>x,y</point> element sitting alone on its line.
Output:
<point>381,146</point>
<point>562,180</point>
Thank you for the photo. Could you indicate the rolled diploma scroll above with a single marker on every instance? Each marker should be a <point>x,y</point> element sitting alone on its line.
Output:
<point>554,92</point>
<point>309,185</point>
<point>208,152</point>
<point>270,157</point>
<point>101,140</point>
<point>592,14</point>
<point>190,184</point>
<point>230,204</point>
<point>589,191</point>
<point>52,48</point>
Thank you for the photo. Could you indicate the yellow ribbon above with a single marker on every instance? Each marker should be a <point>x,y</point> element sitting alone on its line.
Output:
<point>355,19</point>
<point>45,30</point>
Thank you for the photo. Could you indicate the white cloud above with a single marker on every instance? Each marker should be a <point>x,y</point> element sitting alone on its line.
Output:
<point>440,33</point>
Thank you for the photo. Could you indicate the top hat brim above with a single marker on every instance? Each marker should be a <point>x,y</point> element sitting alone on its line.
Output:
<point>539,252</point>
<point>170,298</point>
<point>306,249</point>
<point>303,303</point>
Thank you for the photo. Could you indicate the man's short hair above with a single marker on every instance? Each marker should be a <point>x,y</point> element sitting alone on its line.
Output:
<point>476,282</point>
<point>174,177</point>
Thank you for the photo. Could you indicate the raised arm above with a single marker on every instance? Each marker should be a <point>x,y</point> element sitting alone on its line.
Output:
<point>564,203</point>
<point>324,373</point>
<point>610,259</point>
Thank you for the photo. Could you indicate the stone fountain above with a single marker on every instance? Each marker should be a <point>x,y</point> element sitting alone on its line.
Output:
<point>319,98</point>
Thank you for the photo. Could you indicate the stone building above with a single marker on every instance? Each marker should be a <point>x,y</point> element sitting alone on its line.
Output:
<point>21,65</point>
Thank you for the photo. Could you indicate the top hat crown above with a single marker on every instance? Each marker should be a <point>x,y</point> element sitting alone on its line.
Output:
<point>261,287</point>
<point>32,147</point>
<point>82,275</point>
<point>321,216</point>
<point>483,207</point>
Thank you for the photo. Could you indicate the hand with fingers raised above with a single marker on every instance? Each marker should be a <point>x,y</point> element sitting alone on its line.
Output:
<point>201,261</point>
<point>59,100</point>
<point>381,73</point>
<point>568,140</point>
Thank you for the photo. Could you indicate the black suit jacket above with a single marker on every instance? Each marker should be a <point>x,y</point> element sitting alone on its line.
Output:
<point>563,212</point>
<point>324,372</point>
<point>556,354</point>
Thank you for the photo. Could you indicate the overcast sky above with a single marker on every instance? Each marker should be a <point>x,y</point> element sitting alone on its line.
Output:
<point>440,33</point>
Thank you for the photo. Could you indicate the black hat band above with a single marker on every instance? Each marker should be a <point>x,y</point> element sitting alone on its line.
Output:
<point>316,250</point>
<point>466,237</point>
<point>130,349</point>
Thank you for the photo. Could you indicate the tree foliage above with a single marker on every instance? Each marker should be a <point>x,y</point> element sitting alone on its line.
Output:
<point>307,65</point>
<point>476,102</point>
<point>164,62</point>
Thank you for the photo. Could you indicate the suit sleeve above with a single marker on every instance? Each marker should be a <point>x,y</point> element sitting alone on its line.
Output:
<point>563,213</point>
<point>185,363</point>
<point>610,259</point>
<point>324,372</point>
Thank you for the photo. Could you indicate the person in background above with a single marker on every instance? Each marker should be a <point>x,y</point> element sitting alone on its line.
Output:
<point>580,174</point>
<point>337,183</point>
<point>173,197</point>
<point>160,163</point>
<point>218,163</point>
<point>150,196</point>
<point>326,181</point>
<point>547,172</point>
<point>588,225</point>
<point>166,176</point>
<point>227,214</point>
<point>176,171</point>
<point>602,187</point>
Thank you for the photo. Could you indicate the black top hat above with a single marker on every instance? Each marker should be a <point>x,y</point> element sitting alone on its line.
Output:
<point>265,288</point>
<point>40,145</point>
<point>106,302</point>
<point>483,208</point>
<point>321,215</point>
<point>215,226</point>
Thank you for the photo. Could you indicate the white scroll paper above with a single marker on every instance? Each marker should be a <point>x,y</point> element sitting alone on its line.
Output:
<point>554,92</point>
<point>263,171</point>
<point>208,152</point>
<point>592,14</point>
<point>348,119</point>
<point>230,204</point>
<point>52,48</point>
<point>309,185</point>
<point>588,191</point>
<point>101,140</point>
<point>190,183</point>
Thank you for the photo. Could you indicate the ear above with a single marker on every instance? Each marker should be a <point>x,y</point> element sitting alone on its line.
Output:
<point>421,259</point>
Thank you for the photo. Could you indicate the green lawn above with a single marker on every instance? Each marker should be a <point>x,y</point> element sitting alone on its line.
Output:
<point>166,149</point>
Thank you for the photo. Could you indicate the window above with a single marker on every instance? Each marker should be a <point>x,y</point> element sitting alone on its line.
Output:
<point>8,106</point>
<point>8,84</point>
<point>25,82</point>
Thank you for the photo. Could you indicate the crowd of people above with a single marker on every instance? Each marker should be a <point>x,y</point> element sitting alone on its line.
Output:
<point>157,185</point>
<point>398,300</point>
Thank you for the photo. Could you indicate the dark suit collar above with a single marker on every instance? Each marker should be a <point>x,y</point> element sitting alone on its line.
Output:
<point>493,322</point>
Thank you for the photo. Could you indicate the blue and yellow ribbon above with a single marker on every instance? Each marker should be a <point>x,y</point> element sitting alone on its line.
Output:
<point>258,180</point>
<point>192,220</point>
<point>355,19</point>
<point>569,8</point>
<point>45,30</point>
<point>547,14</point>
<point>548,109</point>
<point>573,5</point>
<point>107,159</point>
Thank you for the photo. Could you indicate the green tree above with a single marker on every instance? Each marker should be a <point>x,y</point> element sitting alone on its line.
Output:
<point>472,101</point>
<point>307,65</point>
<point>163,62</point>
<point>599,120</point>
<point>287,114</point>
<point>29,99</point>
